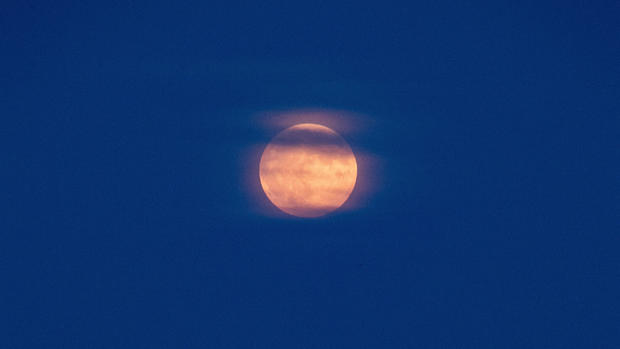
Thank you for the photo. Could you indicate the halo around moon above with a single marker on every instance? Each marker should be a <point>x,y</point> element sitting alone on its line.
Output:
<point>308,170</point>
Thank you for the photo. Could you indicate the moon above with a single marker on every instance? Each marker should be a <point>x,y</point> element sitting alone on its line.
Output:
<point>308,170</point>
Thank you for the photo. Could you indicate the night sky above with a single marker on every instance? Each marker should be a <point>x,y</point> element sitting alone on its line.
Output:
<point>487,213</point>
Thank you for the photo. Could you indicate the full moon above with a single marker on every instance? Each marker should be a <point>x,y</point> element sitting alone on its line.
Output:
<point>308,170</point>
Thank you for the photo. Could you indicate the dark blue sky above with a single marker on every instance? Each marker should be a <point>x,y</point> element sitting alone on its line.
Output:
<point>127,222</point>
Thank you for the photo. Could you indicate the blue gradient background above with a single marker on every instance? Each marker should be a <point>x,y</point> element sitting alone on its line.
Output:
<point>126,223</point>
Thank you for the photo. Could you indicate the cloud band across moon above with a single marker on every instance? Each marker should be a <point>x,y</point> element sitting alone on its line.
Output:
<point>308,170</point>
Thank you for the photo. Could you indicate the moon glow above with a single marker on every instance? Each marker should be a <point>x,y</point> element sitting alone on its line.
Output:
<point>308,170</point>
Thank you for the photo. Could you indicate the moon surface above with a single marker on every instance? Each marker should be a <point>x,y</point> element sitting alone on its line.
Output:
<point>308,170</point>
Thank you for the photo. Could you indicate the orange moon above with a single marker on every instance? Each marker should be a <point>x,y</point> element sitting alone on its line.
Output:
<point>308,170</point>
